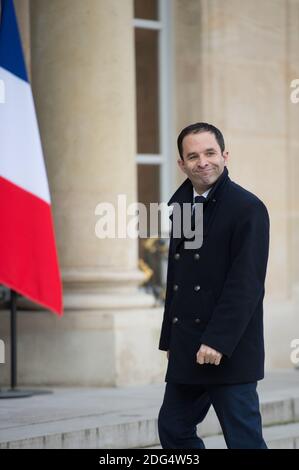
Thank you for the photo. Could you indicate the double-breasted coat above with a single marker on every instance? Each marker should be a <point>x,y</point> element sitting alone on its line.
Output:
<point>214,293</point>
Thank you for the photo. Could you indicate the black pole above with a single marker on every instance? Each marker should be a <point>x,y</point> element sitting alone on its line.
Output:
<point>13,392</point>
<point>13,338</point>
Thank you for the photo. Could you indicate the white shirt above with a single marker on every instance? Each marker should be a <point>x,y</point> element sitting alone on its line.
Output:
<point>196,194</point>
<point>203,194</point>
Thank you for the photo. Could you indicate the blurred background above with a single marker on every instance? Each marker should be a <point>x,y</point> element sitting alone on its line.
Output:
<point>114,81</point>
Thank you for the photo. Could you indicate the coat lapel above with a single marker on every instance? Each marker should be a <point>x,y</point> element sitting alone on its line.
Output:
<point>184,194</point>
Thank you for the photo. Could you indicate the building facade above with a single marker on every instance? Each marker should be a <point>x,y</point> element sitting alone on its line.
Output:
<point>114,81</point>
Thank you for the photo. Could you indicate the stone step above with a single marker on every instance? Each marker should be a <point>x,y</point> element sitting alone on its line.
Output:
<point>275,409</point>
<point>126,417</point>
<point>285,436</point>
<point>139,429</point>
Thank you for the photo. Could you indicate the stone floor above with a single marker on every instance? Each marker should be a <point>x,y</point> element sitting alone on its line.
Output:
<point>124,417</point>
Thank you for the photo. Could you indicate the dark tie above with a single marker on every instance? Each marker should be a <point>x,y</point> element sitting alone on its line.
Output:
<point>197,200</point>
<point>200,199</point>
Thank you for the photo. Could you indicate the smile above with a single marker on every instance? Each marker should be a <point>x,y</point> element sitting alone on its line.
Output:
<point>204,171</point>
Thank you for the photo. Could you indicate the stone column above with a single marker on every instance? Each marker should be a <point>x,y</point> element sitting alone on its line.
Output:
<point>84,89</point>
<point>23,16</point>
<point>83,83</point>
<point>292,146</point>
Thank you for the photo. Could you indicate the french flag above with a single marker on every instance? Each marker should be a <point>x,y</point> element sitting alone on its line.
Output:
<point>28,255</point>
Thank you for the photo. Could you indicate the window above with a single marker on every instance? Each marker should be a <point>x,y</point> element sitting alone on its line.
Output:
<point>153,111</point>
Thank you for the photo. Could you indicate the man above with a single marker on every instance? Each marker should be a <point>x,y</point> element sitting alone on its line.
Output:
<point>212,327</point>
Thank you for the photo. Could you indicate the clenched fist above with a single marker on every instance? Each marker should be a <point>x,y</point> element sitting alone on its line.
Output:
<point>207,355</point>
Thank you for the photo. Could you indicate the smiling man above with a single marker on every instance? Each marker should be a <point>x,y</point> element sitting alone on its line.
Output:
<point>212,327</point>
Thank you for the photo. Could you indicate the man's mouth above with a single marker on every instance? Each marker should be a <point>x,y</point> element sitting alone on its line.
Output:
<point>203,172</point>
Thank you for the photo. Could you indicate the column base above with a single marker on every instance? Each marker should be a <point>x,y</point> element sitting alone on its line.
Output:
<point>86,348</point>
<point>108,335</point>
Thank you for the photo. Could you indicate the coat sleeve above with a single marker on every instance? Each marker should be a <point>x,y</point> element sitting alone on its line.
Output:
<point>244,284</point>
<point>166,323</point>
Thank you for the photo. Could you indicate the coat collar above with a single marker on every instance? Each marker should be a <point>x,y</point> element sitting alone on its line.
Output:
<point>185,192</point>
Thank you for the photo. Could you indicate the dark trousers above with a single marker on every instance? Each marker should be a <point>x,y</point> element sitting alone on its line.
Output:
<point>186,405</point>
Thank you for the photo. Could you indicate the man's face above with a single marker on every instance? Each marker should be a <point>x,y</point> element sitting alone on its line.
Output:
<point>203,161</point>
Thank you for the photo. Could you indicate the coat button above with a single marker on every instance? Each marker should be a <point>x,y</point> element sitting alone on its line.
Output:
<point>175,319</point>
<point>196,288</point>
<point>177,256</point>
<point>197,320</point>
<point>175,287</point>
<point>196,256</point>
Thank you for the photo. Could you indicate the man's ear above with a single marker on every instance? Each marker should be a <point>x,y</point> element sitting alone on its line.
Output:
<point>181,164</point>
<point>225,156</point>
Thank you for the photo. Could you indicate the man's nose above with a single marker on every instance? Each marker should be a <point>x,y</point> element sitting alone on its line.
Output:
<point>202,161</point>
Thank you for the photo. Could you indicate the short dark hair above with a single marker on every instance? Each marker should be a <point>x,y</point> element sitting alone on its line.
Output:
<point>200,127</point>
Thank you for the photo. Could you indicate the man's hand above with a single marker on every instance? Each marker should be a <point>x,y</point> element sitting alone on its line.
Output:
<point>207,355</point>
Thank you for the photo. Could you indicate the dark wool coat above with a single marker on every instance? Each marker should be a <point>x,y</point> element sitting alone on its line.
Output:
<point>215,293</point>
